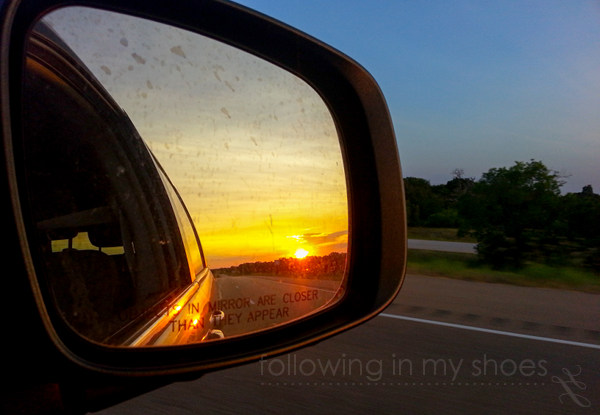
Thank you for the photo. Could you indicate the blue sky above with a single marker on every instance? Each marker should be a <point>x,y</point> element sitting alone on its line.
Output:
<point>474,84</point>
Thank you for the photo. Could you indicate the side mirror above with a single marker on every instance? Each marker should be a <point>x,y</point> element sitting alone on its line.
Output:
<point>192,187</point>
<point>255,155</point>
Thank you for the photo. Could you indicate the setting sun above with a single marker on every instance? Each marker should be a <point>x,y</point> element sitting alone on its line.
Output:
<point>301,253</point>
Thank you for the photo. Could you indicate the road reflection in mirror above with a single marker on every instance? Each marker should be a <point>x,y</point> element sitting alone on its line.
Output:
<point>185,190</point>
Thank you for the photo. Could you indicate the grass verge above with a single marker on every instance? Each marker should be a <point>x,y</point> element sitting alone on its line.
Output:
<point>468,267</point>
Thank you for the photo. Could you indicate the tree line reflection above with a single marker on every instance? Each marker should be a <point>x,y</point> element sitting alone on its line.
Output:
<point>331,266</point>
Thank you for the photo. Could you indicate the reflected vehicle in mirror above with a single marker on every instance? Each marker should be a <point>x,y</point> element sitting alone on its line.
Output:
<point>122,181</point>
<point>111,242</point>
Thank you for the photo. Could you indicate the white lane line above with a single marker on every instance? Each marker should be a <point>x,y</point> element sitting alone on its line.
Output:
<point>499,332</point>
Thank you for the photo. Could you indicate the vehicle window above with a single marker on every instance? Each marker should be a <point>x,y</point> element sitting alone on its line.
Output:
<point>82,241</point>
<point>108,254</point>
<point>191,242</point>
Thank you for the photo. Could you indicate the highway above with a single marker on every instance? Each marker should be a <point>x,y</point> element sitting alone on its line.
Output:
<point>444,246</point>
<point>444,346</point>
<point>259,302</point>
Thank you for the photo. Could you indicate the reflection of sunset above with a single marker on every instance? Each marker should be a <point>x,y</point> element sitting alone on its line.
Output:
<point>253,153</point>
<point>228,246</point>
<point>252,149</point>
<point>301,253</point>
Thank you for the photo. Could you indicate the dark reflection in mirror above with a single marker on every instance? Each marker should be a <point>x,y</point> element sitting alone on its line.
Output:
<point>183,190</point>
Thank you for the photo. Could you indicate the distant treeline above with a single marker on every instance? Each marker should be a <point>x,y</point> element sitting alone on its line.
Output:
<point>332,265</point>
<point>517,214</point>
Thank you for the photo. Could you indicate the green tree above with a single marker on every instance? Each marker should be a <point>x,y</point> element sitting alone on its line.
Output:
<point>513,213</point>
<point>580,216</point>
<point>435,206</point>
<point>421,201</point>
<point>449,194</point>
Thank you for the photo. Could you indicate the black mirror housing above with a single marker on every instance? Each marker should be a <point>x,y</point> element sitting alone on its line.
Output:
<point>377,233</point>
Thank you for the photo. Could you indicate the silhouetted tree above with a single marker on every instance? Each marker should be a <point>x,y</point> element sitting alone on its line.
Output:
<point>513,212</point>
<point>580,215</point>
<point>421,201</point>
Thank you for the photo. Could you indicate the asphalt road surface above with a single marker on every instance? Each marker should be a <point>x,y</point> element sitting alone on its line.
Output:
<point>252,303</point>
<point>444,346</point>
<point>462,247</point>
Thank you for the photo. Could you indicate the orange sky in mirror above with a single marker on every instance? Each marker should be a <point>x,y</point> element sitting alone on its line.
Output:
<point>262,198</point>
<point>220,254</point>
<point>227,247</point>
<point>263,220</point>
<point>251,148</point>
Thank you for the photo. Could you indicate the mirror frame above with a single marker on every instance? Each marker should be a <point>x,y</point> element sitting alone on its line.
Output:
<point>377,224</point>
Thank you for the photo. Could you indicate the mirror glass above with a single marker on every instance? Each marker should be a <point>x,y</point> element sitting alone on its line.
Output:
<point>180,190</point>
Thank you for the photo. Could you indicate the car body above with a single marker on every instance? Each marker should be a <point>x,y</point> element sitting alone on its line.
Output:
<point>125,208</point>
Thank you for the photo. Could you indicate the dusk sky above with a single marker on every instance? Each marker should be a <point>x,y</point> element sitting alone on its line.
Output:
<point>474,84</point>
<point>254,152</point>
<point>252,149</point>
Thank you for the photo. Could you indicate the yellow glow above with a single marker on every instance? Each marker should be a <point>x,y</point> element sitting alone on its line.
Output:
<point>226,246</point>
<point>252,167</point>
<point>301,253</point>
